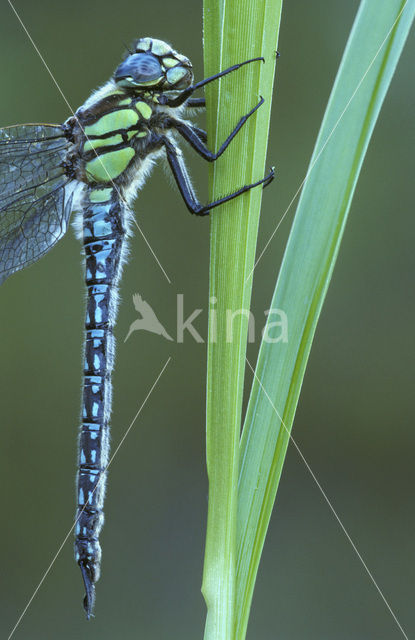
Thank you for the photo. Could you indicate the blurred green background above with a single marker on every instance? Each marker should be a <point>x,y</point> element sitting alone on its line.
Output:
<point>353,422</point>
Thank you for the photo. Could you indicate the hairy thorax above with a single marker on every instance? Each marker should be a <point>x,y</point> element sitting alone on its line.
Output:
<point>113,135</point>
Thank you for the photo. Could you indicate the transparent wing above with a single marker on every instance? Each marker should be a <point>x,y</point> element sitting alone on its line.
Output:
<point>34,205</point>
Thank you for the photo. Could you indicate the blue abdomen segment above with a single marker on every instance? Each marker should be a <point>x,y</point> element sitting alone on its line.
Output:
<point>104,243</point>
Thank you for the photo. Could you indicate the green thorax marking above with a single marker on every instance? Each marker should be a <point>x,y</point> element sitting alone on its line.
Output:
<point>112,117</point>
<point>108,166</point>
<point>126,120</point>
<point>103,142</point>
<point>144,109</point>
<point>114,121</point>
<point>100,195</point>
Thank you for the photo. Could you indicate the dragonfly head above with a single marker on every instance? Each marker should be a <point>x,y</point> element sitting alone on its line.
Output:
<point>153,64</point>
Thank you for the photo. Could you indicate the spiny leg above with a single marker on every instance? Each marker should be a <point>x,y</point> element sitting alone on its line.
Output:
<point>200,133</point>
<point>193,135</point>
<point>184,95</point>
<point>182,179</point>
<point>196,103</point>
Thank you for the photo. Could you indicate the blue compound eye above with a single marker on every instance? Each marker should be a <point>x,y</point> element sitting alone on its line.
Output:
<point>138,69</point>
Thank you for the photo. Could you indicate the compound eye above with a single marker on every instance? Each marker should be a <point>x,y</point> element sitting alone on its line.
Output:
<point>139,68</point>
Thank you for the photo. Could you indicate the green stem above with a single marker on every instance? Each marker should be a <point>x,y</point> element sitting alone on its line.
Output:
<point>234,32</point>
<point>375,44</point>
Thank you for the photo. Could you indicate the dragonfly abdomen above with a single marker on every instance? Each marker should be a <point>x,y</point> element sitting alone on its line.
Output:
<point>104,245</point>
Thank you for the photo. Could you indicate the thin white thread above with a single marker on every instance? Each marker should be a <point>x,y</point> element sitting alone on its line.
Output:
<point>82,129</point>
<point>307,175</point>
<point>330,505</point>
<point>82,510</point>
<point>154,255</point>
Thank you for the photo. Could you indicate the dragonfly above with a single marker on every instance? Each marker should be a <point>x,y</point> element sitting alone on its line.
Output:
<point>93,165</point>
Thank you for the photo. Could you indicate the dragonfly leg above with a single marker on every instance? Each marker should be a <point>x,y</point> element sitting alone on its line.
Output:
<point>196,103</point>
<point>193,137</point>
<point>200,133</point>
<point>193,103</point>
<point>184,184</point>
<point>184,95</point>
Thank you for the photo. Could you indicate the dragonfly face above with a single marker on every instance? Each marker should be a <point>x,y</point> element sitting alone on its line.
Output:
<point>154,65</point>
<point>95,163</point>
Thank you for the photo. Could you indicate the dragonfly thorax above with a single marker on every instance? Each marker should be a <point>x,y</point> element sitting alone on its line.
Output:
<point>112,135</point>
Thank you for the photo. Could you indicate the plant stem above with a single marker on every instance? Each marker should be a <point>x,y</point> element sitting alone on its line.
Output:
<point>234,32</point>
<point>372,52</point>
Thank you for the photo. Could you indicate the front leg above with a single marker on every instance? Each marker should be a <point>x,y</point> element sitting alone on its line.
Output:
<point>184,95</point>
<point>196,137</point>
<point>178,167</point>
<point>200,133</point>
<point>196,103</point>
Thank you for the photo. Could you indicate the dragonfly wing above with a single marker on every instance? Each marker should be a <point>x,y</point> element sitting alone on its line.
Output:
<point>35,203</point>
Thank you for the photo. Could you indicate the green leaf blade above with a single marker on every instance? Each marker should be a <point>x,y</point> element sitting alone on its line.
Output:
<point>234,32</point>
<point>358,93</point>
